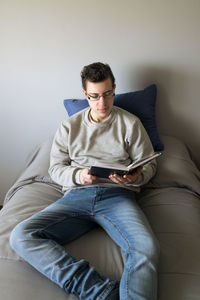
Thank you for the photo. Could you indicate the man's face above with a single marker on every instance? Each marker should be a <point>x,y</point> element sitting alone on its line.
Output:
<point>100,109</point>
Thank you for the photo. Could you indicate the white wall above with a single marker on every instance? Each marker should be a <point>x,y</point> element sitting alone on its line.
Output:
<point>45,43</point>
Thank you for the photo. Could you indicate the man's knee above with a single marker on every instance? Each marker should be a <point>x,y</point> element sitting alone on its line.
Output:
<point>18,236</point>
<point>150,250</point>
<point>147,247</point>
<point>153,248</point>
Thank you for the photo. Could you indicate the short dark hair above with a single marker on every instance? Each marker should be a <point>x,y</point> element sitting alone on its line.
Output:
<point>96,72</point>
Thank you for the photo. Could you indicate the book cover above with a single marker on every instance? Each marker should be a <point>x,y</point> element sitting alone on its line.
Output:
<point>104,169</point>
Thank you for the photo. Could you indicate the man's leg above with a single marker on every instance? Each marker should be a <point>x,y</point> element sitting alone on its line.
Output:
<point>118,213</point>
<point>39,240</point>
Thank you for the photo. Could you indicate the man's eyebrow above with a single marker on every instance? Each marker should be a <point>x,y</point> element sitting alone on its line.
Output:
<point>91,93</point>
<point>98,94</point>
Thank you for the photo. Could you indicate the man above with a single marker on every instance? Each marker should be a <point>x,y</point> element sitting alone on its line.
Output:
<point>100,131</point>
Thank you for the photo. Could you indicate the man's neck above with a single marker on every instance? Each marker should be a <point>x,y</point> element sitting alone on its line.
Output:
<point>95,119</point>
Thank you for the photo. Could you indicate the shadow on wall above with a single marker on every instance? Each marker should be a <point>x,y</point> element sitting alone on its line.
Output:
<point>177,102</point>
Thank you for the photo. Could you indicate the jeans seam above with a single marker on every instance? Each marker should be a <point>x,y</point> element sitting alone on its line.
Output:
<point>128,271</point>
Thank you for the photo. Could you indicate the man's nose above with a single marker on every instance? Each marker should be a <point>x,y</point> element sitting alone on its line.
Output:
<point>102,98</point>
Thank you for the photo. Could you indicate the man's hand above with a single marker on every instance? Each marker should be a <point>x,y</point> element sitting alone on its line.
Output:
<point>126,179</point>
<point>87,178</point>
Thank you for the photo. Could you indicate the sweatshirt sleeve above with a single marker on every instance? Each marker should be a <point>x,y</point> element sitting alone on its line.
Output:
<point>140,146</point>
<point>60,168</point>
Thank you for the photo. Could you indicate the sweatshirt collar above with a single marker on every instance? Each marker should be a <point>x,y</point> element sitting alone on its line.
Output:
<point>90,122</point>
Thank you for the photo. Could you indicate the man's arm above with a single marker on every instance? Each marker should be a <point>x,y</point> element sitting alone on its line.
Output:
<point>139,147</point>
<point>60,168</point>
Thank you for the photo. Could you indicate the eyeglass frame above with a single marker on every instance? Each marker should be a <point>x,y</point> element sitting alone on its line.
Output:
<point>109,95</point>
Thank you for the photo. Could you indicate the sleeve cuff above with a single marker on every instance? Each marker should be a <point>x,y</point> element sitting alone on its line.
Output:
<point>77,176</point>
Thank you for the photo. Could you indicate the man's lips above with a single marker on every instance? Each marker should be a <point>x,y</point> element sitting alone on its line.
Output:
<point>102,109</point>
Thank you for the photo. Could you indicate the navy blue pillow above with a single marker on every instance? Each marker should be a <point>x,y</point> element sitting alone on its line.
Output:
<point>140,103</point>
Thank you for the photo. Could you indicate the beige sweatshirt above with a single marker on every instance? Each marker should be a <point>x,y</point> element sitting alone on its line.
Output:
<point>121,138</point>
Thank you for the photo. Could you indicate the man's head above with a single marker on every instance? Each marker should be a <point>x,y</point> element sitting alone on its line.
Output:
<point>96,72</point>
<point>98,87</point>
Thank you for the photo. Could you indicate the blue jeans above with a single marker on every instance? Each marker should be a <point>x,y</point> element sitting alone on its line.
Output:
<point>39,240</point>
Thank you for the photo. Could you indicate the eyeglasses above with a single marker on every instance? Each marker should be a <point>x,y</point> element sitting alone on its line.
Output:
<point>96,97</point>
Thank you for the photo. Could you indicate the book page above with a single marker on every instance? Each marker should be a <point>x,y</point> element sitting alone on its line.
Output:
<point>144,160</point>
<point>134,164</point>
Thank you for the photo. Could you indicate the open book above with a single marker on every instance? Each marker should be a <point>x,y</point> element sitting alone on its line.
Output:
<point>105,169</point>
